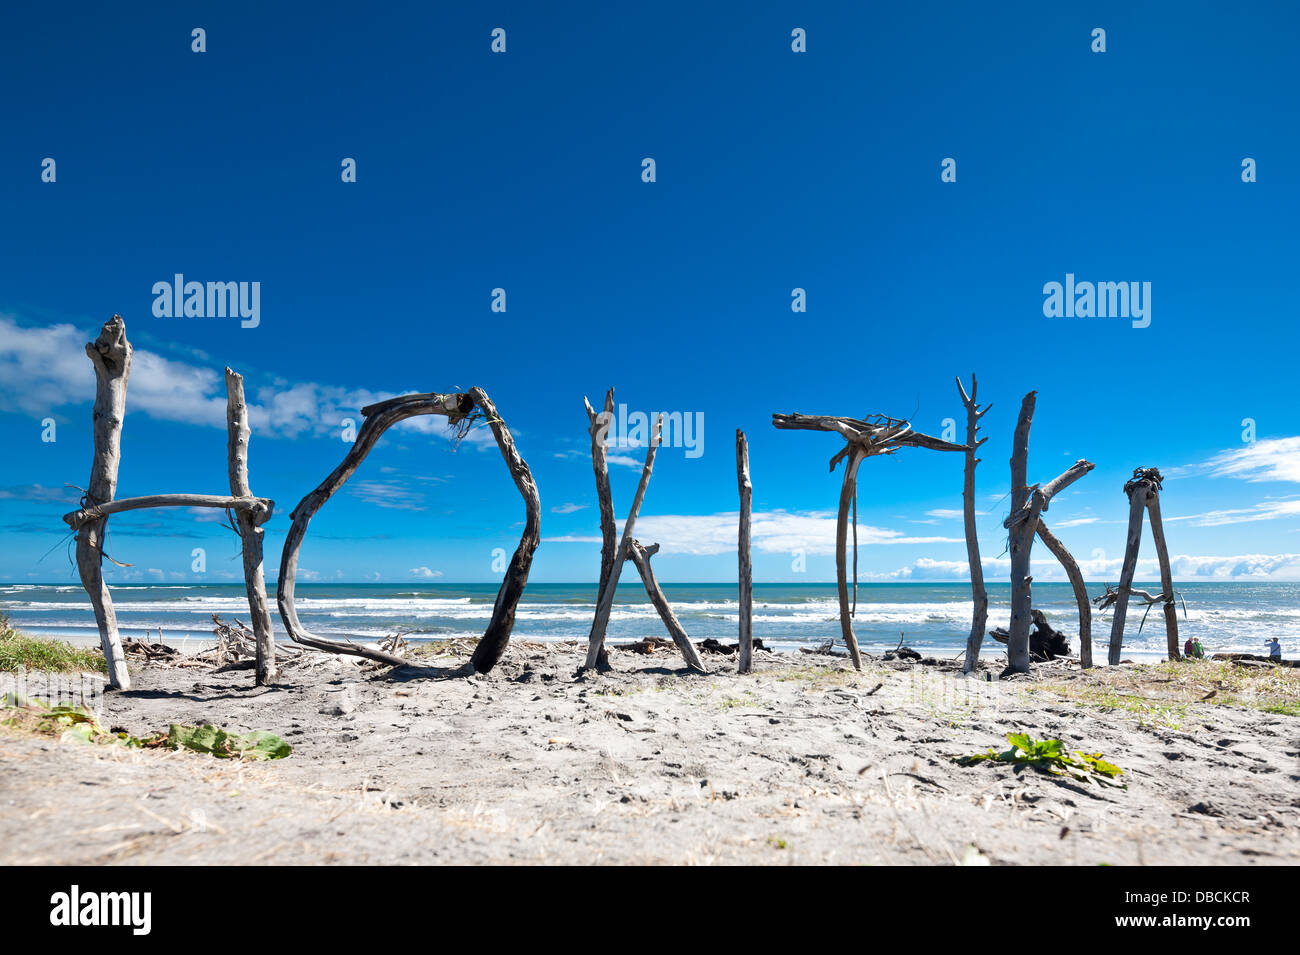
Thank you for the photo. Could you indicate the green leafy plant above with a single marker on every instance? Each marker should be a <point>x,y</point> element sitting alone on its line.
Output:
<point>76,724</point>
<point>224,745</point>
<point>1049,756</point>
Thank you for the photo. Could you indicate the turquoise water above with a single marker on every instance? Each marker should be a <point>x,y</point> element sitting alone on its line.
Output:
<point>935,618</point>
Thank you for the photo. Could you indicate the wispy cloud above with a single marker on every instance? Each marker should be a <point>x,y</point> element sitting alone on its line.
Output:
<point>424,573</point>
<point>395,495</point>
<point>1184,567</point>
<point>567,508</point>
<point>1274,459</point>
<point>1265,511</point>
<point>948,513</point>
<point>36,492</point>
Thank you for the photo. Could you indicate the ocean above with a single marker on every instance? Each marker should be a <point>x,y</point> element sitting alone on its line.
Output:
<point>932,618</point>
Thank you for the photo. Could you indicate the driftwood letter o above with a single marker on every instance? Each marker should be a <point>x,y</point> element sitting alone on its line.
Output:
<point>458,408</point>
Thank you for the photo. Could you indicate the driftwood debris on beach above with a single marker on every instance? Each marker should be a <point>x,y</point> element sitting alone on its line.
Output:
<point>864,438</point>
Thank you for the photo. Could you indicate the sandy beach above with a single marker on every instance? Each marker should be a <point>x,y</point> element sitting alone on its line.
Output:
<point>804,761</point>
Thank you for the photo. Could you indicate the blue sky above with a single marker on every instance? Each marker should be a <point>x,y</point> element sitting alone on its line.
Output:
<point>775,170</point>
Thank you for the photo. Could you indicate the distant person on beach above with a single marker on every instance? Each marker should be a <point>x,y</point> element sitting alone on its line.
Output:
<point>1198,649</point>
<point>1188,649</point>
<point>1274,649</point>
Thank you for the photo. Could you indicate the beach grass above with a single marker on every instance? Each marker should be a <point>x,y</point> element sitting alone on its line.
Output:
<point>21,652</point>
<point>1160,693</point>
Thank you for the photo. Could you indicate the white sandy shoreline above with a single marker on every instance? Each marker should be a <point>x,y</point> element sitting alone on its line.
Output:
<point>805,761</point>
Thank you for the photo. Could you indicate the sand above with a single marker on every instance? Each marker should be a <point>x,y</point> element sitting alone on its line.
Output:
<point>805,761</point>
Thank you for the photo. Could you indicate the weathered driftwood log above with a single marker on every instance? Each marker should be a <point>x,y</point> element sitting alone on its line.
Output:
<point>746,572</point>
<point>110,353</point>
<point>250,529</point>
<point>1108,599</point>
<point>497,635</point>
<point>459,410</point>
<point>848,491</point>
<point>1019,541</point>
<point>1080,591</point>
<point>979,595</point>
<point>640,556</point>
<point>1166,573</point>
<point>596,641</point>
<point>1141,489</point>
<point>599,431</point>
<point>257,509</point>
<point>1027,503</point>
<point>864,437</point>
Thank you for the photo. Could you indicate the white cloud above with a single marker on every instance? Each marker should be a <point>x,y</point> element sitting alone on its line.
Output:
<point>567,508</point>
<point>625,461</point>
<point>1075,522</point>
<point>424,573</point>
<point>1274,459</point>
<point>42,369</point>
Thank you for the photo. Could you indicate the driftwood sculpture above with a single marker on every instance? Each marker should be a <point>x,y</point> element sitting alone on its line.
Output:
<point>1023,524</point>
<point>613,555</point>
<point>864,438</point>
<point>979,595</point>
<point>111,355</point>
<point>746,571</point>
<point>1143,491</point>
<point>461,410</point>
